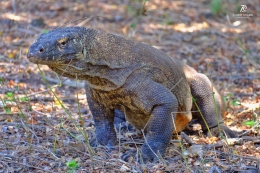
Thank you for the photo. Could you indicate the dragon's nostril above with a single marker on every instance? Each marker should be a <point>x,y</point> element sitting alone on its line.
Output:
<point>41,50</point>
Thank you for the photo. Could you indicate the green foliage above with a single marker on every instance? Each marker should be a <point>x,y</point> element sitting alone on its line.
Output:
<point>30,108</point>
<point>228,97</point>
<point>250,123</point>
<point>230,101</point>
<point>1,80</point>
<point>7,110</point>
<point>72,165</point>
<point>133,25</point>
<point>21,114</point>
<point>216,7</point>
<point>25,99</point>
<point>9,96</point>
<point>225,98</point>
<point>45,31</point>
<point>235,102</point>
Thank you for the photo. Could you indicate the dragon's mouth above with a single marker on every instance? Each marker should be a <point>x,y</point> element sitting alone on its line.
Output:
<point>54,60</point>
<point>43,61</point>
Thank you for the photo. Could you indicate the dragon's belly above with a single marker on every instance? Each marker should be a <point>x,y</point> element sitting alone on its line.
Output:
<point>135,117</point>
<point>118,100</point>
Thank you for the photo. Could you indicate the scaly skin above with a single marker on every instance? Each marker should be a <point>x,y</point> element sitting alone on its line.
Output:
<point>151,88</point>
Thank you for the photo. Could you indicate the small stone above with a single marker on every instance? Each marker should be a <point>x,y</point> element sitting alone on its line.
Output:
<point>124,168</point>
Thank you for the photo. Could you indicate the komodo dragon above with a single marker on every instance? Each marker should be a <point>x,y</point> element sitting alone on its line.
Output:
<point>152,89</point>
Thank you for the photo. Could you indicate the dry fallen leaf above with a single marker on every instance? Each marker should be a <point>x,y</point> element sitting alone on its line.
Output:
<point>33,121</point>
<point>11,55</point>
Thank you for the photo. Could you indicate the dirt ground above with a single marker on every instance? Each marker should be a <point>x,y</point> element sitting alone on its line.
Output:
<point>38,135</point>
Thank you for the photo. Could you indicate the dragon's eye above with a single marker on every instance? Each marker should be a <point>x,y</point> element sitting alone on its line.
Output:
<point>63,41</point>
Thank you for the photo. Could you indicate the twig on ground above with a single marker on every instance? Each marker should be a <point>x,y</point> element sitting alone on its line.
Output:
<point>30,166</point>
<point>19,124</point>
<point>187,138</point>
<point>213,169</point>
<point>38,141</point>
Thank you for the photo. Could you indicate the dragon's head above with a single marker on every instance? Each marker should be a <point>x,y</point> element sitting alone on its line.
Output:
<point>57,47</point>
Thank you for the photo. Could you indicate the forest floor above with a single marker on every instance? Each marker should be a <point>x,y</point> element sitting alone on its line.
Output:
<point>39,136</point>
